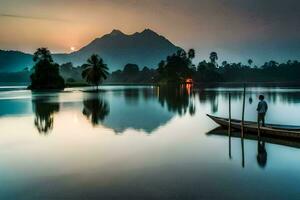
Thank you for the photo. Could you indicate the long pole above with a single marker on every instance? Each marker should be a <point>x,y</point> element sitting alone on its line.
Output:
<point>229,125</point>
<point>243,153</point>
<point>243,112</point>
<point>242,126</point>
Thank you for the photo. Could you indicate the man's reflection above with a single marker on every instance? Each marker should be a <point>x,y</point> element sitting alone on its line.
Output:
<point>261,154</point>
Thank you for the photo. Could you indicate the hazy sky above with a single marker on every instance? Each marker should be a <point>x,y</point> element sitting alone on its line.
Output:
<point>236,29</point>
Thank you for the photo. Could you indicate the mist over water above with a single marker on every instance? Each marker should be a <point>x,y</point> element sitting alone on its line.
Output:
<point>142,143</point>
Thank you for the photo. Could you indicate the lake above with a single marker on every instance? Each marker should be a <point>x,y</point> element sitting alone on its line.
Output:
<point>141,142</point>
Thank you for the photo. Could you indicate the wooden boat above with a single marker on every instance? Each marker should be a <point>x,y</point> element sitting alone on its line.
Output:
<point>285,131</point>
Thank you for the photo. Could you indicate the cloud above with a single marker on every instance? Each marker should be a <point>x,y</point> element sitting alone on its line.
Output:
<point>31,17</point>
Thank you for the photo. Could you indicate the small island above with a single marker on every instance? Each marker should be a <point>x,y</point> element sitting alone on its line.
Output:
<point>45,74</point>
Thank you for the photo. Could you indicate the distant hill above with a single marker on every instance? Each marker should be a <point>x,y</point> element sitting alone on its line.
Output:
<point>117,49</point>
<point>13,61</point>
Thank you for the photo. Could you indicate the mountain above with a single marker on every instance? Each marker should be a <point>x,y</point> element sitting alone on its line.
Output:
<point>13,61</point>
<point>146,48</point>
<point>117,49</point>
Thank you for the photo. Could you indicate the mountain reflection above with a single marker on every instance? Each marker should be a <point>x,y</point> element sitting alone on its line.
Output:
<point>96,110</point>
<point>44,112</point>
<point>136,108</point>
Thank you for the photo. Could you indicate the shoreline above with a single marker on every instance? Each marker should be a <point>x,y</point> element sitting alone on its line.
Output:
<point>196,85</point>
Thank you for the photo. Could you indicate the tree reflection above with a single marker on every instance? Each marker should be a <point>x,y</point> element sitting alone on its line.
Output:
<point>131,96</point>
<point>96,110</point>
<point>210,97</point>
<point>44,112</point>
<point>176,99</point>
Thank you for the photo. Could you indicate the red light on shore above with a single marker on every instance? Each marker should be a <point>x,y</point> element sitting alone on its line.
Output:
<point>189,81</point>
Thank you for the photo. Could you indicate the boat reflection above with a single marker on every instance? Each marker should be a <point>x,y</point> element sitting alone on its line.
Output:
<point>262,155</point>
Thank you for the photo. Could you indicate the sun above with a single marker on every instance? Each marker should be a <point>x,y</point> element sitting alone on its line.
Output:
<point>72,48</point>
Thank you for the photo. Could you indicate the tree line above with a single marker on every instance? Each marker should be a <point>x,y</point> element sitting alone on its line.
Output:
<point>176,68</point>
<point>179,67</point>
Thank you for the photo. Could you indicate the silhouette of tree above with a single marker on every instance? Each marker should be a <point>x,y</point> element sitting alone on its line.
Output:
<point>161,66</point>
<point>46,72</point>
<point>177,67</point>
<point>95,71</point>
<point>95,110</point>
<point>213,58</point>
<point>191,54</point>
<point>207,72</point>
<point>42,54</point>
<point>44,112</point>
<point>250,62</point>
<point>224,63</point>
<point>132,74</point>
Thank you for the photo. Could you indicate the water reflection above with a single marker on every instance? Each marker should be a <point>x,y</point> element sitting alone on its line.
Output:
<point>136,109</point>
<point>261,154</point>
<point>141,109</point>
<point>132,96</point>
<point>250,100</point>
<point>96,110</point>
<point>147,108</point>
<point>44,114</point>
<point>211,98</point>
<point>176,99</point>
<point>177,145</point>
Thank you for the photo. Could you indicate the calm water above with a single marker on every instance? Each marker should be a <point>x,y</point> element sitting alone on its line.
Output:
<point>141,143</point>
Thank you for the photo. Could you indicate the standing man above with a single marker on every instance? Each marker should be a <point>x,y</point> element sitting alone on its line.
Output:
<point>262,109</point>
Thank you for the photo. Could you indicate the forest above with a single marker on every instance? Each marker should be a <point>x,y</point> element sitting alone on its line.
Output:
<point>179,67</point>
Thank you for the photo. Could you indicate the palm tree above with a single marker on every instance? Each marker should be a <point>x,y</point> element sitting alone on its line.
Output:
<point>213,58</point>
<point>250,62</point>
<point>95,70</point>
<point>191,54</point>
